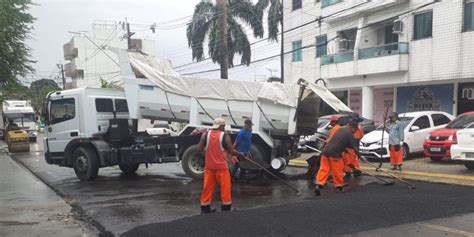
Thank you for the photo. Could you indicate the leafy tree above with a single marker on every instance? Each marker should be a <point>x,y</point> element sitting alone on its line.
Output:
<point>14,91</point>
<point>274,17</point>
<point>15,28</point>
<point>204,26</point>
<point>38,99</point>
<point>37,85</point>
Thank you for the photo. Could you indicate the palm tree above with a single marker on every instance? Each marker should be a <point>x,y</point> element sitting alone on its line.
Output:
<point>204,26</point>
<point>110,85</point>
<point>274,17</point>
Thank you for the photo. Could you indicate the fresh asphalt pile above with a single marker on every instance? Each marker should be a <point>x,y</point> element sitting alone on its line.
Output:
<point>362,208</point>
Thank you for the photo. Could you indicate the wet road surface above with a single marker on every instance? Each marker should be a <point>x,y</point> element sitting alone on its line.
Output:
<point>163,201</point>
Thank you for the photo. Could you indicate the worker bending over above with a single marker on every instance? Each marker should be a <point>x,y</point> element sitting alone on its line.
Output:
<point>332,160</point>
<point>216,143</point>
<point>351,161</point>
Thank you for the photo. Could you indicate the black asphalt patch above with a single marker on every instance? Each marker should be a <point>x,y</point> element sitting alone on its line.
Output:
<point>362,208</point>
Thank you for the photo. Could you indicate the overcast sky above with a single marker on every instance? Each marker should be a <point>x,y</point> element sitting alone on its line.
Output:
<point>56,17</point>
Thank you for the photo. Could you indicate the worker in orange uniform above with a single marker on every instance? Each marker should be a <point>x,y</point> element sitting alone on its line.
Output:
<point>331,157</point>
<point>333,122</point>
<point>396,134</point>
<point>351,161</point>
<point>216,143</point>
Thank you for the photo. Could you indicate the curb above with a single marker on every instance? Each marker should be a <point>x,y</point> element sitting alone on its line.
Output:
<point>411,175</point>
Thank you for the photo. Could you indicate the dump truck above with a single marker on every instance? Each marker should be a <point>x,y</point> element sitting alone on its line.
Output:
<point>91,128</point>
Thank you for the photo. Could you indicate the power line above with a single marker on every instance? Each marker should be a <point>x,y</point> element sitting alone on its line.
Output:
<point>313,45</point>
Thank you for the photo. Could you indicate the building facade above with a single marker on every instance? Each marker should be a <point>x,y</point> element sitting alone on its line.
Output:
<point>91,56</point>
<point>407,55</point>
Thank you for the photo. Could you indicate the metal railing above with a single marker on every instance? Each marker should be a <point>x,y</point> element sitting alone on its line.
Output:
<point>337,58</point>
<point>384,50</point>
<point>326,3</point>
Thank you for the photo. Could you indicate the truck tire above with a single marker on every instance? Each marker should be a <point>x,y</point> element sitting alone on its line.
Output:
<point>85,163</point>
<point>469,165</point>
<point>129,169</point>
<point>192,163</point>
<point>436,158</point>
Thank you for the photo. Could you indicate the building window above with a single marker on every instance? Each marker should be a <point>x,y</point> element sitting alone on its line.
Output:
<point>423,25</point>
<point>297,51</point>
<point>321,45</point>
<point>469,15</point>
<point>296,4</point>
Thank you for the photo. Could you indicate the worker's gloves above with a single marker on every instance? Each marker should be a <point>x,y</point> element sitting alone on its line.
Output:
<point>396,147</point>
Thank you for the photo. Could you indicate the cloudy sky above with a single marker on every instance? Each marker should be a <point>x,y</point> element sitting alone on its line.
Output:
<point>55,18</point>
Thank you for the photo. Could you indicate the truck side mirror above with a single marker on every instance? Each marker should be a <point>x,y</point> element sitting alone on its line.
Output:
<point>414,128</point>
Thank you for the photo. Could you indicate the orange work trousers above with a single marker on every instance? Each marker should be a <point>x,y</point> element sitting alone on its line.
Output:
<point>396,157</point>
<point>350,157</point>
<point>334,165</point>
<point>211,178</point>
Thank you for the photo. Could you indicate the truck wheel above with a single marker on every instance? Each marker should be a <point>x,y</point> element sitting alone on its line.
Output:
<point>193,163</point>
<point>436,158</point>
<point>85,163</point>
<point>129,169</point>
<point>469,165</point>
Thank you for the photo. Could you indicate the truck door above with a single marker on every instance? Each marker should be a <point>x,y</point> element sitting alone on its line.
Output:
<point>63,123</point>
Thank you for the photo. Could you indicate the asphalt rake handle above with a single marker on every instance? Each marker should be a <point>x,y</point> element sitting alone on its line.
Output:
<point>390,174</point>
<point>298,192</point>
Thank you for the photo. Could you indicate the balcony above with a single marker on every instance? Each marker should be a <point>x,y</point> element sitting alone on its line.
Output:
<point>384,50</point>
<point>69,51</point>
<point>341,57</point>
<point>326,3</point>
<point>386,58</point>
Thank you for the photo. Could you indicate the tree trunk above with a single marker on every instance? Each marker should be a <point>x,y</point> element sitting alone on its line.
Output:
<point>222,11</point>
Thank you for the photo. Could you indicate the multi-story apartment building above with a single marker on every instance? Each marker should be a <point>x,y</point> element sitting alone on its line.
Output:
<point>408,55</point>
<point>92,57</point>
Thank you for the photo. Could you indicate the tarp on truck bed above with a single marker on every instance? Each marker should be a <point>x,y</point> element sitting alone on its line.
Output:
<point>162,74</point>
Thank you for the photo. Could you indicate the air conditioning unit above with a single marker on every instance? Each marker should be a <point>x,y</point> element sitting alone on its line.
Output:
<point>397,27</point>
<point>343,44</point>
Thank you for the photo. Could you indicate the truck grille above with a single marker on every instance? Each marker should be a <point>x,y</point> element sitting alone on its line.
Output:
<point>438,138</point>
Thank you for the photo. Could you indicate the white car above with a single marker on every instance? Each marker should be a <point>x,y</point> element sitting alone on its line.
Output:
<point>160,130</point>
<point>464,149</point>
<point>418,126</point>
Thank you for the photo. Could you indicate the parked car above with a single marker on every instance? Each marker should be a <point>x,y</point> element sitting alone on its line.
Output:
<point>437,145</point>
<point>417,126</point>
<point>160,130</point>
<point>323,131</point>
<point>463,150</point>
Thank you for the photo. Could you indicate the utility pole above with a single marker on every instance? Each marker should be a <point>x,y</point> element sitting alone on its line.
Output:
<point>129,34</point>
<point>61,67</point>
<point>223,50</point>
<point>282,50</point>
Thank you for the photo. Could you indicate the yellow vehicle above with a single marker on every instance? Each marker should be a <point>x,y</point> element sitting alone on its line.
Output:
<point>18,141</point>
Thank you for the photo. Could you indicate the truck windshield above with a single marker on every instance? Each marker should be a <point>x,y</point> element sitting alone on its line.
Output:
<point>21,117</point>
<point>462,121</point>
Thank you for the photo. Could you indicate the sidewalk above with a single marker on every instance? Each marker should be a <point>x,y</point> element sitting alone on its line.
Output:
<point>420,169</point>
<point>30,208</point>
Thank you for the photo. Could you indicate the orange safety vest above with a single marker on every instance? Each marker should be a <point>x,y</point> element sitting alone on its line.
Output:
<point>333,131</point>
<point>216,155</point>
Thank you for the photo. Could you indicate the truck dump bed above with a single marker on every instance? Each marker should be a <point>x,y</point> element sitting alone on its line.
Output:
<point>155,91</point>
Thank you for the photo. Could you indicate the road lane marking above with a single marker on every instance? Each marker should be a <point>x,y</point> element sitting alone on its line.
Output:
<point>406,172</point>
<point>447,229</point>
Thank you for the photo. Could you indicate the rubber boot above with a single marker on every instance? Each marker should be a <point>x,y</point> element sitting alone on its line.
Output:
<point>399,167</point>
<point>206,209</point>
<point>357,173</point>
<point>340,190</point>
<point>226,207</point>
<point>394,167</point>
<point>317,190</point>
